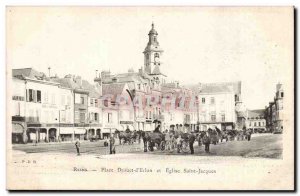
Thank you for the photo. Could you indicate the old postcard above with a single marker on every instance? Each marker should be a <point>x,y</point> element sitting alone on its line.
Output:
<point>150,98</point>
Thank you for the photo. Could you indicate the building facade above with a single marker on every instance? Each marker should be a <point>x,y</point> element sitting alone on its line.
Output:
<point>274,111</point>
<point>42,105</point>
<point>256,121</point>
<point>180,108</point>
<point>219,105</point>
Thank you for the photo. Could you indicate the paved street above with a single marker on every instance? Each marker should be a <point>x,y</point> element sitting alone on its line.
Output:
<point>267,146</point>
<point>86,147</point>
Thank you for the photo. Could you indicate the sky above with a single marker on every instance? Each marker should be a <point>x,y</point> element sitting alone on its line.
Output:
<point>201,44</point>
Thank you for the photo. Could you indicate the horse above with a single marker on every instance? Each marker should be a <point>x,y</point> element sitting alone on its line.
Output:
<point>138,135</point>
<point>125,137</point>
<point>152,139</point>
<point>232,134</point>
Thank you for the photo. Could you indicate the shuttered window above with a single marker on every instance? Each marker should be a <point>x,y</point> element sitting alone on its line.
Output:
<point>38,96</point>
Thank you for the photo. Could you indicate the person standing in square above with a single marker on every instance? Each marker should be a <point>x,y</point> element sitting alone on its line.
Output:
<point>77,145</point>
<point>112,147</point>
<point>192,139</point>
<point>206,141</point>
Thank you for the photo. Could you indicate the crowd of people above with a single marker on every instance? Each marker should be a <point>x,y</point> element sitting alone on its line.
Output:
<point>182,139</point>
<point>211,136</point>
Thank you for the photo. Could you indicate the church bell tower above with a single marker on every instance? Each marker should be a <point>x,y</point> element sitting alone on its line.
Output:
<point>152,53</point>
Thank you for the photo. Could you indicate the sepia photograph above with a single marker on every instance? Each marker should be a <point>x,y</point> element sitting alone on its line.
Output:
<point>150,98</point>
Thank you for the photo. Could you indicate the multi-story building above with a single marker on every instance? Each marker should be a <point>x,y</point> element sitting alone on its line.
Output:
<point>43,110</point>
<point>94,108</point>
<point>137,87</point>
<point>80,108</point>
<point>179,108</point>
<point>256,121</point>
<point>219,105</point>
<point>274,111</point>
<point>118,111</point>
<point>19,126</point>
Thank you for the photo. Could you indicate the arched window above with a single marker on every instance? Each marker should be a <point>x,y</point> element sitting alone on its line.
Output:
<point>156,55</point>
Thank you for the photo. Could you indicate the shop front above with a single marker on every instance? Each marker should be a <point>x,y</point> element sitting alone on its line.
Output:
<point>94,131</point>
<point>18,133</point>
<point>80,133</point>
<point>18,130</point>
<point>67,134</point>
<point>108,129</point>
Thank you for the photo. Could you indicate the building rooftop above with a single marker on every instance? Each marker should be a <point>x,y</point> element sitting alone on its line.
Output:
<point>256,113</point>
<point>210,88</point>
<point>29,73</point>
<point>215,89</point>
<point>70,82</point>
<point>94,90</point>
<point>113,89</point>
<point>66,82</point>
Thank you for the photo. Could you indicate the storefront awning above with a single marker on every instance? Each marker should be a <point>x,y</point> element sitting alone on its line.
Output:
<point>66,130</point>
<point>17,128</point>
<point>80,131</point>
